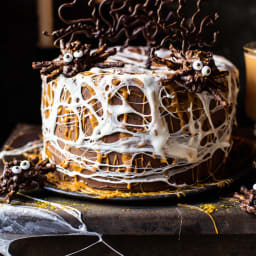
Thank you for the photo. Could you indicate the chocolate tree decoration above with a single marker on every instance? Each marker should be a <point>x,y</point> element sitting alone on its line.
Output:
<point>247,199</point>
<point>76,57</point>
<point>23,175</point>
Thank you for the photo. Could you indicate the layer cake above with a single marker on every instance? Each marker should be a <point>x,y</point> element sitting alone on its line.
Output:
<point>122,128</point>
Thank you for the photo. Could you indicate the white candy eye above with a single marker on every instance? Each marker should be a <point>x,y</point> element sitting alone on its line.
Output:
<point>68,57</point>
<point>197,65</point>
<point>78,54</point>
<point>16,169</point>
<point>24,165</point>
<point>206,71</point>
<point>254,187</point>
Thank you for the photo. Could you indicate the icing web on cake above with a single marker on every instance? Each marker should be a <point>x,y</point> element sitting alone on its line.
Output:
<point>85,119</point>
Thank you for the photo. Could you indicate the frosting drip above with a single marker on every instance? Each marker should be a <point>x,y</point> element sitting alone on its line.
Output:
<point>128,111</point>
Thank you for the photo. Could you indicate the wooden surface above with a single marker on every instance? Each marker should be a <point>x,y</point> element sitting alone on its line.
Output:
<point>181,222</point>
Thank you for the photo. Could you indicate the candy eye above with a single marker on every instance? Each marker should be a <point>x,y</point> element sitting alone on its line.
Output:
<point>16,169</point>
<point>197,65</point>
<point>24,165</point>
<point>68,57</point>
<point>78,54</point>
<point>206,71</point>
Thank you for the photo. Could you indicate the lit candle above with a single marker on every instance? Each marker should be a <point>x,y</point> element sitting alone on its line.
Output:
<point>45,22</point>
<point>250,61</point>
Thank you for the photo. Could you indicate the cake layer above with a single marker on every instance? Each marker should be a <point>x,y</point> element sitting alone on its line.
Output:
<point>122,128</point>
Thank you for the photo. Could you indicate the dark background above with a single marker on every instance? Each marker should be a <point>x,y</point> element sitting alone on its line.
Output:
<point>21,86</point>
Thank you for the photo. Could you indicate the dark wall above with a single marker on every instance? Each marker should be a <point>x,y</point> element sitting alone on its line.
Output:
<point>20,98</point>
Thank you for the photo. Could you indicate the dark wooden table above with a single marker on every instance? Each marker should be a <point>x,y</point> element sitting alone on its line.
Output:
<point>155,228</point>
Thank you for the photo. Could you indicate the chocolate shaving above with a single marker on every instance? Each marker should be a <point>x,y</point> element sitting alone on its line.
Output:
<point>247,200</point>
<point>75,58</point>
<point>24,175</point>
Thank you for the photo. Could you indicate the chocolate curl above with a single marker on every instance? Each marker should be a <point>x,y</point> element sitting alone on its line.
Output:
<point>96,27</point>
<point>191,32</point>
<point>110,20</point>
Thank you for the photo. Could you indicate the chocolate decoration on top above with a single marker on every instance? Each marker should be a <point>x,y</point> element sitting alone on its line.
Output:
<point>75,58</point>
<point>24,175</point>
<point>196,71</point>
<point>247,199</point>
<point>111,20</point>
<point>157,21</point>
<point>92,27</point>
<point>153,20</point>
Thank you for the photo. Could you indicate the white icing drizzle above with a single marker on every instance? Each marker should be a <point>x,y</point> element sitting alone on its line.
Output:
<point>155,140</point>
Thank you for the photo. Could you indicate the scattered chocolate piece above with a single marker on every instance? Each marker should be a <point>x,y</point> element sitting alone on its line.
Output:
<point>191,31</point>
<point>23,175</point>
<point>247,199</point>
<point>75,58</point>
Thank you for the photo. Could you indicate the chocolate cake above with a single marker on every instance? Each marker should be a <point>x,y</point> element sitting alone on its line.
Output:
<point>137,118</point>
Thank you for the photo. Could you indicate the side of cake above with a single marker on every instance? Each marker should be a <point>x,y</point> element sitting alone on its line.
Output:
<point>121,128</point>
